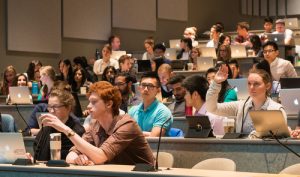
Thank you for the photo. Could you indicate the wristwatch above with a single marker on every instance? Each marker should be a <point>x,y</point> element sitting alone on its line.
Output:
<point>70,133</point>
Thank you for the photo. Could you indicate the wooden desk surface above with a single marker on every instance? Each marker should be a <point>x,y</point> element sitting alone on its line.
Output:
<point>118,171</point>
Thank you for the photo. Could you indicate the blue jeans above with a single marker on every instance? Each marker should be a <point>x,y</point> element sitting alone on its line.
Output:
<point>8,123</point>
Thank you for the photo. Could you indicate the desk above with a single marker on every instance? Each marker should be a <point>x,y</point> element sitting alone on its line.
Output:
<point>249,155</point>
<point>116,171</point>
<point>25,111</point>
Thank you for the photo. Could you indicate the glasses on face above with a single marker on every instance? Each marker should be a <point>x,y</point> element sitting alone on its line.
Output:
<point>148,86</point>
<point>120,83</point>
<point>268,51</point>
<point>54,107</point>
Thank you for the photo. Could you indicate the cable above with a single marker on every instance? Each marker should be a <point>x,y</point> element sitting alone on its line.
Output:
<point>29,131</point>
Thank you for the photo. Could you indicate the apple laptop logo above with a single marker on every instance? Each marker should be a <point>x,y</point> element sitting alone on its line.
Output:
<point>177,45</point>
<point>296,102</point>
<point>276,39</point>
<point>19,95</point>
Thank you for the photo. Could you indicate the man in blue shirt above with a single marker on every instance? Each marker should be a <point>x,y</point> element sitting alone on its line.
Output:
<point>151,114</point>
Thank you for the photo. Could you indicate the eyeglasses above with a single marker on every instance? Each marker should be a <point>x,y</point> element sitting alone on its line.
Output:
<point>149,86</point>
<point>120,83</point>
<point>268,51</point>
<point>54,107</point>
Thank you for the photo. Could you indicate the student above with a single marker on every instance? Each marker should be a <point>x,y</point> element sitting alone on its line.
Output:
<point>115,42</point>
<point>177,107</point>
<point>235,69</point>
<point>243,37</point>
<point>195,53</point>
<point>8,77</point>
<point>112,138</point>
<point>151,114</point>
<point>124,64</point>
<point>259,86</point>
<point>268,27</point>
<point>279,67</point>
<point>186,47</point>
<point>224,53</point>
<point>7,123</point>
<point>47,78</point>
<point>148,44</point>
<point>20,80</point>
<point>59,106</point>
<point>191,32</point>
<point>280,29</point>
<point>215,32</point>
<point>165,73</point>
<point>101,64</point>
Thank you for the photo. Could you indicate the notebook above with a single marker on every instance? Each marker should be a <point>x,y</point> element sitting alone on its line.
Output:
<point>11,147</point>
<point>291,23</point>
<point>144,65</point>
<point>265,121</point>
<point>238,51</point>
<point>204,63</point>
<point>170,53</point>
<point>208,52</point>
<point>117,54</point>
<point>175,43</point>
<point>278,38</point>
<point>20,95</point>
<point>290,100</point>
<point>240,86</point>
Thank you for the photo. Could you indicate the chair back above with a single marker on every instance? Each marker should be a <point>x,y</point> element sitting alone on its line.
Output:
<point>165,159</point>
<point>292,170</point>
<point>216,164</point>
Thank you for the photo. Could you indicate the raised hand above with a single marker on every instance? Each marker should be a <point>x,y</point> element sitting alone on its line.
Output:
<point>222,74</point>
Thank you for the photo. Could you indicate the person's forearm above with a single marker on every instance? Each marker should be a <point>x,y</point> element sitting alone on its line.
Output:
<point>71,157</point>
<point>92,152</point>
<point>34,131</point>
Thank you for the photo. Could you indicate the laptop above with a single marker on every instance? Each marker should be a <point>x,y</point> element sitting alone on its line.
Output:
<point>117,54</point>
<point>240,86</point>
<point>291,23</point>
<point>265,121</point>
<point>290,100</point>
<point>198,127</point>
<point>289,82</point>
<point>171,53</point>
<point>204,63</point>
<point>175,43</point>
<point>178,64</point>
<point>238,51</point>
<point>20,95</point>
<point>208,52</point>
<point>11,147</point>
<point>144,66</point>
<point>278,38</point>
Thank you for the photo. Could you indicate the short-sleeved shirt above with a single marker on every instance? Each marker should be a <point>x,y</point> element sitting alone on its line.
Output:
<point>154,116</point>
<point>124,143</point>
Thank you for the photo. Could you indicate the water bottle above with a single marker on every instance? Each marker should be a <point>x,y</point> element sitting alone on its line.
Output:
<point>35,88</point>
<point>97,54</point>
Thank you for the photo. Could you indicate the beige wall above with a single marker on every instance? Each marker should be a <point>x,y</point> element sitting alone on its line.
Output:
<point>202,14</point>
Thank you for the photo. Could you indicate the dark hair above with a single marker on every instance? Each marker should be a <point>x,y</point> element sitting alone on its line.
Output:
<point>31,69</point>
<point>196,83</point>
<point>69,78</point>
<point>263,65</point>
<point>218,28</point>
<point>159,46</point>
<point>268,20</point>
<point>74,83</point>
<point>228,53</point>
<point>111,38</point>
<point>152,75</point>
<point>176,79</point>
<point>222,39</point>
<point>15,81</point>
<point>256,43</point>
<point>123,58</point>
<point>271,43</point>
<point>221,25</point>
<point>188,41</point>
<point>244,25</point>
<point>106,70</point>
<point>128,77</point>
<point>234,61</point>
<point>81,60</point>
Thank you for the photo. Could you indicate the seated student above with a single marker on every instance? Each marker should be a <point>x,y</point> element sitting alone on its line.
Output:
<point>223,53</point>
<point>20,80</point>
<point>106,61</point>
<point>235,69</point>
<point>259,86</point>
<point>8,77</point>
<point>47,78</point>
<point>148,44</point>
<point>224,40</point>
<point>7,123</point>
<point>79,80</point>
<point>195,53</point>
<point>186,47</point>
<point>279,67</point>
<point>165,73</point>
<point>159,52</point>
<point>81,63</point>
<point>268,27</point>
<point>256,45</point>
<point>177,107</point>
<point>215,32</point>
<point>109,74</point>
<point>243,37</point>
<point>124,83</point>
<point>196,87</point>
<point>296,133</point>
<point>124,63</point>
<point>59,106</point>
<point>227,94</point>
<point>191,32</point>
<point>151,114</point>
<point>111,138</point>
<point>115,42</point>
<point>280,29</point>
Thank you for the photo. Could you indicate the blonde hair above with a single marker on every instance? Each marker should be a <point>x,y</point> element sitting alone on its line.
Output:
<point>164,68</point>
<point>49,71</point>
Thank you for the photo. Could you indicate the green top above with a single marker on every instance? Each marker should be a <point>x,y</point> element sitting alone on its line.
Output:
<point>230,95</point>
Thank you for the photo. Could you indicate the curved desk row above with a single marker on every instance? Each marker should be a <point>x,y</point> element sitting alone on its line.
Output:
<point>249,155</point>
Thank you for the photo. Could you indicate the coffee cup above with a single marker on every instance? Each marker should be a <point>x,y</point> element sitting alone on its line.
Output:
<point>55,146</point>
<point>228,125</point>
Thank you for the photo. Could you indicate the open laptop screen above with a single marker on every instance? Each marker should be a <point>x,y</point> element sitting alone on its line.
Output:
<point>11,147</point>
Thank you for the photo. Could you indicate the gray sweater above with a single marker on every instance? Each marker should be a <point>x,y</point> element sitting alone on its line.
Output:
<point>235,108</point>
